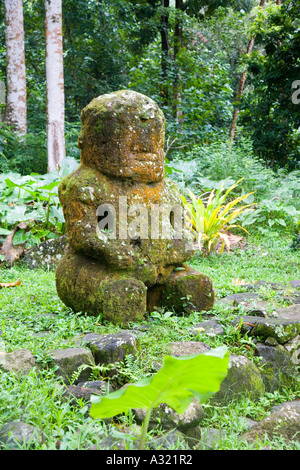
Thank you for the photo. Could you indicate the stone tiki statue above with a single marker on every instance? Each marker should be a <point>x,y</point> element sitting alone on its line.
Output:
<point>127,240</point>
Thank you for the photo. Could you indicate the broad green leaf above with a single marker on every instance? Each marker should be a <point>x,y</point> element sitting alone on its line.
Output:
<point>176,383</point>
<point>20,237</point>
<point>16,214</point>
<point>4,231</point>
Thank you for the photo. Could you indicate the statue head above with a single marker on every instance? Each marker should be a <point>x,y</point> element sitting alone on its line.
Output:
<point>123,136</point>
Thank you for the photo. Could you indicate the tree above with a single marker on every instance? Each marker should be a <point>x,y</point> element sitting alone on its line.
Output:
<point>55,84</point>
<point>16,110</point>
<point>268,112</point>
<point>241,86</point>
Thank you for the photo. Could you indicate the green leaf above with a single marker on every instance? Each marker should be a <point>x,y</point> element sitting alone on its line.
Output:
<point>16,214</point>
<point>176,383</point>
<point>20,237</point>
<point>281,222</point>
<point>4,231</point>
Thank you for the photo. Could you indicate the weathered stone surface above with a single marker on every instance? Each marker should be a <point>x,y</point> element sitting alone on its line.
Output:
<point>277,368</point>
<point>169,419</point>
<point>293,348</point>
<point>284,422</point>
<point>187,291</point>
<point>185,348</point>
<point>102,386</point>
<point>119,274</point>
<point>17,362</point>
<point>122,136</point>
<point>209,328</point>
<point>16,435</point>
<point>288,313</point>
<point>295,283</point>
<point>243,378</point>
<point>69,361</point>
<point>281,329</point>
<point>111,348</point>
<point>250,301</point>
<point>46,254</point>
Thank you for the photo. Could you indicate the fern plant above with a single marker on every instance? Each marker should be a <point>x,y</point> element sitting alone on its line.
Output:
<point>208,220</point>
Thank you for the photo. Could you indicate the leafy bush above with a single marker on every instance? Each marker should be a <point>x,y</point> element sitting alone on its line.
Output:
<point>33,199</point>
<point>206,168</point>
<point>208,220</point>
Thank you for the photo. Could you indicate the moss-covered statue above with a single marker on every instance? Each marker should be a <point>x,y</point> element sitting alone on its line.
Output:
<point>127,239</point>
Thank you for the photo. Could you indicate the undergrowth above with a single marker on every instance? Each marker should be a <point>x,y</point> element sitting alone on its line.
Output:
<point>33,317</point>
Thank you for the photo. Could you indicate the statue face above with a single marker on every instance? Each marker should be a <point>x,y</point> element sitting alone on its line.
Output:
<point>123,136</point>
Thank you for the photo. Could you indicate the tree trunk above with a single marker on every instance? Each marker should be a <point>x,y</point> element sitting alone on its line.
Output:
<point>178,43</point>
<point>16,109</point>
<point>55,84</point>
<point>241,88</point>
<point>165,49</point>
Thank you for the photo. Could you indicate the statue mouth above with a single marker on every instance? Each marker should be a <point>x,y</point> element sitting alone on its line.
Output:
<point>143,156</point>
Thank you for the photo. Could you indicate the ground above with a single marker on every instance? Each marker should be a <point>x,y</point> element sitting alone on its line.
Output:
<point>33,317</point>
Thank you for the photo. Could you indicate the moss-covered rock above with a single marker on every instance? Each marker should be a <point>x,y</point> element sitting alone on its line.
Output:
<point>243,378</point>
<point>277,368</point>
<point>69,363</point>
<point>113,347</point>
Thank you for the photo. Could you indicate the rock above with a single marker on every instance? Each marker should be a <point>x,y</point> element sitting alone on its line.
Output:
<point>101,385</point>
<point>72,362</point>
<point>169,419</point>
<point>185,348</point>
<point>294,404</point>
<point>76,392</point>
<point>243,378</point>
<point>171,440</point>
<point>288,313</point>
<point>270,285</point>
<point>128,242</point>
<point>277,368</point>
<point>282,329</point>
<point>210,327</point>
<point>111,442</point>
<point>47,254</point>
<point>17,362</point>
<point>251,302</point>
<point>284,423</point>
<point>295,283</point>
<point>293,348</point>
<point>15,435</point>
<point>188,291</point>
<point>239,298</point>
<point>111,348</point>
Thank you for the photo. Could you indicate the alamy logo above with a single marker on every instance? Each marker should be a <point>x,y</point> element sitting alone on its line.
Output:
<point>136,221</point>
<point>296,94</point>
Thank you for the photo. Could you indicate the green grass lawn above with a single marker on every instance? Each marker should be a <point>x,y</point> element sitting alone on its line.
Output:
<point>32,316</point>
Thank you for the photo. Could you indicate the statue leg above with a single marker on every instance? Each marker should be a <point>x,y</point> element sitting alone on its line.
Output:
<point>84,285</point>
<point>186,290</point>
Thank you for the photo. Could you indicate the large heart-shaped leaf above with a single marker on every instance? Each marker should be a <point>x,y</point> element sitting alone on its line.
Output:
<point>176,383</point>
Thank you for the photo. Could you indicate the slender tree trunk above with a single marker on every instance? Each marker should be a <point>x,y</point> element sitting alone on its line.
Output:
<point>165,49</point>
<point>16,110</point>
<point>241,88</point>
<point>178,43</point>
<point>55,84</point>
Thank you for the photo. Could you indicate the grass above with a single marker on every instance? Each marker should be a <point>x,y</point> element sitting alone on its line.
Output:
<point>32,316</point>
